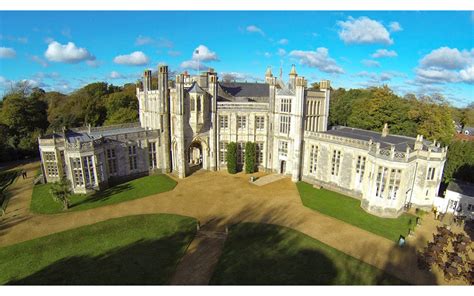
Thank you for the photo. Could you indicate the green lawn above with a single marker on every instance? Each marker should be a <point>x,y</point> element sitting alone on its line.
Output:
<point>264,254</point>
<point>142,249</point>
<point>348,210</point>
<point>42,202</point>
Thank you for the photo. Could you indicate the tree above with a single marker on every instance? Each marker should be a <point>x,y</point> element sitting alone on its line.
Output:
<point>61,191</point>
<point>460,162</point>
<point>250,157</point>
<point>231,158</point>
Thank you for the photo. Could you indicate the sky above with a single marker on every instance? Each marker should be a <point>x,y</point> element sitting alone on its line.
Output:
<point>410,51</point>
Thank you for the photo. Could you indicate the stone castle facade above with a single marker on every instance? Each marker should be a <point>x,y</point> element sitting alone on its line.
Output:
<point>186,124</point>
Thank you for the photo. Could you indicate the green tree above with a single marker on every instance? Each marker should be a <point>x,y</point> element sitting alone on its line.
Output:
<point>460,162</point>
<point>61,191</point>
<point>231,158</point>
<point>250,157</point>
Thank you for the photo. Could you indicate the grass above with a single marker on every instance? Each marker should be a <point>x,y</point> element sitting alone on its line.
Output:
<point>143,249</point>
<point>348,210</point>
<point>264,254</point>
<point>43,203</point>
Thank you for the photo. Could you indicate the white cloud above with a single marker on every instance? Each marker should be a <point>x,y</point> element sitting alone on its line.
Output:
<point>174,53</point>
<point>94,63</point>
<point>370,63</point>
<point>115,75</point>
<point>4,82</point>
<point>283,41</point>
<point>160,42</point>
<point>281,52</point>
<point>7,53</point>
<point>383,53</point>
<point>193,65</point>
<point>446,65</point>
<point>23,40</point>
<point>448,58</point>
<point>363,30</point>
<point>237,76</point>
<point>203,54</point>
<point>255,29</point>
<point>319,59</point>
<point>395,27</point>
<point>136,58</point>
<point>39,60</point>
<point>67,53</point>
<point>467,75</point>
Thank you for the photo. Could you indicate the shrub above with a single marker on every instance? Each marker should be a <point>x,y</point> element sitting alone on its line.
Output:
<point>250,157</point>
<point>231,158</point>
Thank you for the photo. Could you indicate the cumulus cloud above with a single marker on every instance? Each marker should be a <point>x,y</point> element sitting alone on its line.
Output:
<point>160,42</point>
<point>7,53</point>
<point>67,53</point>
<point>319,59</point>
<point>364,31</point>
<point>136,58</point>
<point>446,65</point>
<point>255,29</point>
<point>383,53</point>
<point>204,54</point>
<point>200,55</point>
<point>283,41</point>
<point>237,76</point>
<point>370,63</point>
<point>395,27</point>
<point>378,78</point>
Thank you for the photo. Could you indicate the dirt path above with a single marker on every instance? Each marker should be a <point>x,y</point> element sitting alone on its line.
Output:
<point>197,265</point>
<point>228,199</point>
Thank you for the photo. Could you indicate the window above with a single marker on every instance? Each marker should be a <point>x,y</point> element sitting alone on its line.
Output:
<point>50,163</point>
<point>360,167</point>
<point>470,207</point>
<point>313,159</point>
<point>132,157</point>
<point>223,121</point>
<point>336,162</point>
<point>240,152</point>
<point>284,124</point>
<point>283,148</point>
<point>112,161</point>
<point>89,175</point>
<point>192,104</point>
<point>152,154</point>
<point>77,171</point>
<point>199,104</point>
<point>222,151</point>
<point>241,122</point>
<point>259,122</point>
<point>431,174</point>
<point>381,180</point>
<point>285,105</point>
<point>394,183</point>
<point>259,152</point>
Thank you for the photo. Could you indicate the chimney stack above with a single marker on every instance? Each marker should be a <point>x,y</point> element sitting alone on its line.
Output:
<point>385,130</point>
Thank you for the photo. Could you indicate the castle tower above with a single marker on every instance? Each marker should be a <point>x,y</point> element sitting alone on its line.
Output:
<point>214,125</point>
<point>297,128</point>
<point>268,75</point>
<point>177,145</point>
<point>164,115</point>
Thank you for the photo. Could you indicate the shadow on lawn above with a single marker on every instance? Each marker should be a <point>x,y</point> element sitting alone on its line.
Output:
<point>145,262</point>
<point>104,195</point>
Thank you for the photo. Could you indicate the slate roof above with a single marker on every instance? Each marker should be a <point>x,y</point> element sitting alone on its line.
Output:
<point>463,188</point>
<point>85,136</point>
<point>195,88</point>
<point>400,142</point>
<point>245,89</point>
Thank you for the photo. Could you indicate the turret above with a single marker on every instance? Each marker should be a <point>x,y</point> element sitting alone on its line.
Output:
<point>293,76</point>
<point>385,130</point>
<point>268,75</point>
<point>419,142</point>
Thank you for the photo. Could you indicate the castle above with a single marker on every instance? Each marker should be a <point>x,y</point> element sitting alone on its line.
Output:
<point>186,124</point>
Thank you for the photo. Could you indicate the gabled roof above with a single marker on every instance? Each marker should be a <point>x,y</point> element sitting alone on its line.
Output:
<point>285,92</point>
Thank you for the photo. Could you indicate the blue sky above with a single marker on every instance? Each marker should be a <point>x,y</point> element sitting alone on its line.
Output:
<point>419,52</point>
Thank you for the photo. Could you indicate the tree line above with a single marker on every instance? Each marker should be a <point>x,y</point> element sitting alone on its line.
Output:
<point>26,113</point>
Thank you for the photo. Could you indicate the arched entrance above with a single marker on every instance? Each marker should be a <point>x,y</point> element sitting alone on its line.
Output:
<point>195,157</point>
